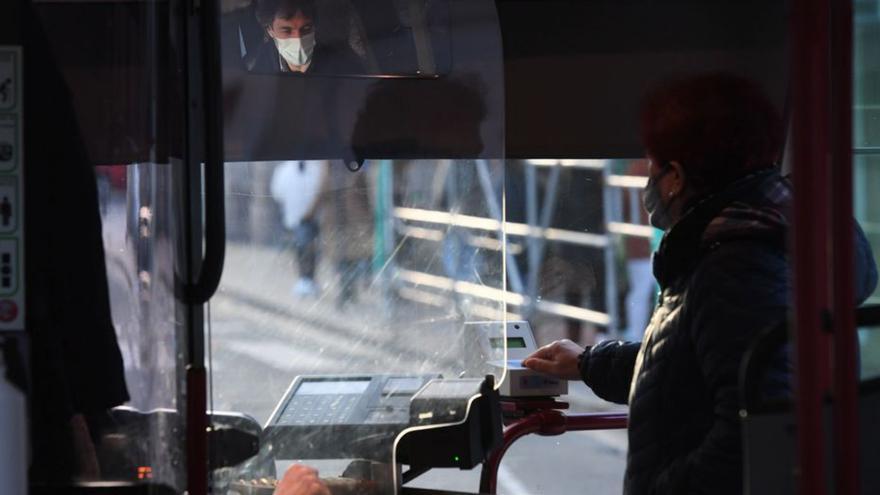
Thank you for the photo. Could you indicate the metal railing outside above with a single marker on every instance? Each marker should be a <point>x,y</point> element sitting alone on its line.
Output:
<point>529,238</point>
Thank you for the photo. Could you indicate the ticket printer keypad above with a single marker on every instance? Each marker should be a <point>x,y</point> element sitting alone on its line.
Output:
<point>348,400</point>
<point>320,409</point>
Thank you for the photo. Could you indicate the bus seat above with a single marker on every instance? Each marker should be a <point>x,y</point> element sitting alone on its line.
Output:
<point>768,423</point>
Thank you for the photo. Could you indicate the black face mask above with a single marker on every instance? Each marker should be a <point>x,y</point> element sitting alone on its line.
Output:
<point>658,213</point>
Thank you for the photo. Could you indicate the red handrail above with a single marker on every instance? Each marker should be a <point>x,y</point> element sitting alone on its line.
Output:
<point>546,423</point>
<point>810,146</point>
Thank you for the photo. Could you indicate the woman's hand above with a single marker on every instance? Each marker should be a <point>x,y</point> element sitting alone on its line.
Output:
<point>301,480</point>
<point>559,359</point>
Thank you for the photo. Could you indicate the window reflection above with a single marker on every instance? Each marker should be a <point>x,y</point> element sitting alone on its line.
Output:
<point>339,37</point>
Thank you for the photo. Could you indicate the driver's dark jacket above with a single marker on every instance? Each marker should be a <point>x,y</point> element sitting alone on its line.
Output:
<point>724,277</point>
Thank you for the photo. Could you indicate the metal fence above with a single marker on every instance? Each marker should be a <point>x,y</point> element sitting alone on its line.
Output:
<point>521,293</point>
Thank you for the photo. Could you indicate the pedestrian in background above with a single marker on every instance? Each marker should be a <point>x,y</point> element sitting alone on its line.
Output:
<point>297,186</point>
<point>348,223</point>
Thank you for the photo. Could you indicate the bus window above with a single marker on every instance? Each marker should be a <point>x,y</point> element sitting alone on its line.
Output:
<point>590,278</point>
<point>866,162</point>
<point>870,359</point>
<point>866,128</point>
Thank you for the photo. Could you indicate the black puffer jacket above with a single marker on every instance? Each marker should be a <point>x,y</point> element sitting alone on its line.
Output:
<point>724,277</point>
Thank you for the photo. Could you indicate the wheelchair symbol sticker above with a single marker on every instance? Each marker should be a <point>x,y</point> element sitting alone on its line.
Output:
<point>8,77</point>
<point>8,148</point>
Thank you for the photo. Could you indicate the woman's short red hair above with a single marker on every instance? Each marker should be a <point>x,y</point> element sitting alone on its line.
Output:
<point>718,126</point>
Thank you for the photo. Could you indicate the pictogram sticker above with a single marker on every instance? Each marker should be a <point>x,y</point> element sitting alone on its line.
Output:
<point>8,310</point>
<point>9,204</point>
<point>9,78</point>
<point>9,146</point>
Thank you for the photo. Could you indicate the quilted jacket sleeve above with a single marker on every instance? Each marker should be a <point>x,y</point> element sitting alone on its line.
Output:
<point>734,294</point>
<point>608,369</point>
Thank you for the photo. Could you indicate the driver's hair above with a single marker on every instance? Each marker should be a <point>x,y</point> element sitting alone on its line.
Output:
<point>268,10</point>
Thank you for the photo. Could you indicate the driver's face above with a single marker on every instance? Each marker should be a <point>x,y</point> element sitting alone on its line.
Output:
<point>292,27</point>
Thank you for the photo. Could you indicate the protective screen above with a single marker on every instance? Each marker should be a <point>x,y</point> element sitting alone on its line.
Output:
<point>365,229</point>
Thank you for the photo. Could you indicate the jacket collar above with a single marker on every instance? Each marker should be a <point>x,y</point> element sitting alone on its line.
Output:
<point>683,243</point>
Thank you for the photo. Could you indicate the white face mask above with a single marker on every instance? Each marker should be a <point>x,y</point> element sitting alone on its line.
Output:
<point>297,51</point>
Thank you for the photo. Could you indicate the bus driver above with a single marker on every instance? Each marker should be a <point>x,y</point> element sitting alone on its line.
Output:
<point>293,45</point>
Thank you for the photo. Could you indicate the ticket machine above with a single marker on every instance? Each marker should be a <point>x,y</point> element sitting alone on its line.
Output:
<point>374,425</point>
<point>518,381</point>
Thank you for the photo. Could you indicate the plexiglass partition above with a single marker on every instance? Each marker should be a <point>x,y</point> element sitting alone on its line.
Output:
<point>365,232</point>
<point>333,312</point>
<point>143,438</point>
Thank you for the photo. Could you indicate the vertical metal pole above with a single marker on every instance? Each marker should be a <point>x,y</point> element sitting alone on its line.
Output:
<point>383,241</point>
<point>548,207</point>
<point>421,37</point>
<point>532,242</point>
<point>846,413</point>
<point>497,213</point>
<point>608,212</point>
<point>810,147</point>
<point>635,206</point>
<point>379,216</point>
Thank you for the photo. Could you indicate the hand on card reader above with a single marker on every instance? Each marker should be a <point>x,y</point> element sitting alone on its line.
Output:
<point>519,380</point>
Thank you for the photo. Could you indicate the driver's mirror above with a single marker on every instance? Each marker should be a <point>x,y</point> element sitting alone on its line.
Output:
<point>399,38</point>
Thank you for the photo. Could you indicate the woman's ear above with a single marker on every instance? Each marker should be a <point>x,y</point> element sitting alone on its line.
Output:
<point>677,179</point>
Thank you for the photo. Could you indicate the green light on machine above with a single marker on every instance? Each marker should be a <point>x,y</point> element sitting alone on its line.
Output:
<point>456,458</point>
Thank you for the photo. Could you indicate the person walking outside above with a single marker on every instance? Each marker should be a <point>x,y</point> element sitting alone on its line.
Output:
<point>297,187</point>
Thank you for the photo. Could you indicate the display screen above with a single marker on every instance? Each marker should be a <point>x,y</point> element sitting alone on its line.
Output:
<point>512,343</point>
<point>335,387</point>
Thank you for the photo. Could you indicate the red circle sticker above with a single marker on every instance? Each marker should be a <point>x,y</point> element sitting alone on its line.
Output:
<point>8,311</point>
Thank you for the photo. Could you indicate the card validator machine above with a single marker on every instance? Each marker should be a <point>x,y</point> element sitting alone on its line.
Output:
<point>453,422</point>
<point>520,381</point>
<point>339,416</point>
